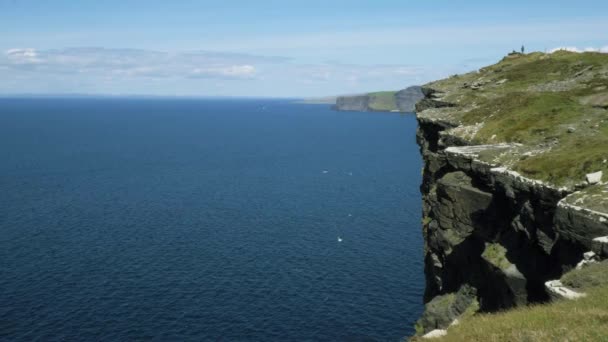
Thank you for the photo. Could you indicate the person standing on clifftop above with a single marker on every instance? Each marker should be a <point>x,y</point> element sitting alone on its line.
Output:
<point>523,49</point>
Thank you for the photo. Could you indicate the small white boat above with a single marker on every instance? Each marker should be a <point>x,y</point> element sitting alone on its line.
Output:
<point>339,239</point>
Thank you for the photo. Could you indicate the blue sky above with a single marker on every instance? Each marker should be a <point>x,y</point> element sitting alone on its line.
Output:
<point>272,48</point>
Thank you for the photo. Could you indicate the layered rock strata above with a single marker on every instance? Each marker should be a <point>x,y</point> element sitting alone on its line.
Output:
<point>493,238</point>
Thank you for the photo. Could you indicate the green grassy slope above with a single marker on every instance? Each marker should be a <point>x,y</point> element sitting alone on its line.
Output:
<point>556,105</point>
<point>383,101</point>
<point>584,319</point>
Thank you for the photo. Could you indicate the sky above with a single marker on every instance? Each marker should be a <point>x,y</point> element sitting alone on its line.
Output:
<point>288,48</point>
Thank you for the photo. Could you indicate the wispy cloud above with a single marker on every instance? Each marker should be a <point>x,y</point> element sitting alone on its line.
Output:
<point>233,71</point>
<point>91,69</point>
<point>136,63</point>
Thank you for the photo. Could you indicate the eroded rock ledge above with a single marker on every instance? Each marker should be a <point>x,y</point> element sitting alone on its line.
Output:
<point>493,237</point>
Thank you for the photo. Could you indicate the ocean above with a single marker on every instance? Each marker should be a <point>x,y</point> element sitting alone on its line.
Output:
<point>207,220</point>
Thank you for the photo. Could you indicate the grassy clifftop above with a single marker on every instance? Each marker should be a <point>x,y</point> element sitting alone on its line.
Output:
<point>383,101</point>
<point>554,105</point>
<point>585,319</point>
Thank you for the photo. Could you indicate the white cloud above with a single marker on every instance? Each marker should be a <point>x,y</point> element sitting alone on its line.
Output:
<point>136,63</point>
<point>22,56</point>
<point>579,50</point>
<point>102,70</point>
<point>234,71</point>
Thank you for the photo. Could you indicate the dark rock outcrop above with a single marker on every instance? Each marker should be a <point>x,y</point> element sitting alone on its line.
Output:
<point>443,310</point>
<point>487,229</point>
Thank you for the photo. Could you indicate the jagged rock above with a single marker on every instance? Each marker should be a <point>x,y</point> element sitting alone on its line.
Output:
<point>495,255</point>
<point>557,290</point>
<point>461,203</point>
<point>473,197</point>
<point>469,202</point>
<point>441,312</point>
<point>432,99</point>
<point>437,333</point>
<point>600,246</point>
<point>578,225</point>
<point>588,259</point>
<point>594,178</point>
<point>590,256</point>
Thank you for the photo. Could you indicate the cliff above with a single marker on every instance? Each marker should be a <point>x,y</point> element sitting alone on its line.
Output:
<point>385,101</point>
<point>407,98</point>
<point>512,190</point>
<point>356,103</point>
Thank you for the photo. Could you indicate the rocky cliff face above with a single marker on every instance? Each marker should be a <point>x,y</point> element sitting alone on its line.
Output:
<point>407,98</point>
<point>493,237</point>
<point>388,101</point>
<point>357,103</point>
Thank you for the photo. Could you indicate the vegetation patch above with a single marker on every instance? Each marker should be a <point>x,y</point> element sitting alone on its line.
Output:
<point>593,275</point>
<point>496,255</point>
<point>383,101</point>
<point>585,319</point>
<point>555,105</point>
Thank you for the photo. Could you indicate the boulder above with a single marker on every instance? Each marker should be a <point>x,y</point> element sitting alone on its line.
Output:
<point>557,290</point>
<point>594,178</point>
<point>600,246</point>
<point>443,310</point>
<point>436,334</point>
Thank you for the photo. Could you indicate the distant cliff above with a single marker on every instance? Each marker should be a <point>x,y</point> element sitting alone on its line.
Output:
<point>512,190</point>
<point>386,101</point>
<point>356,103</point>
<point>407,98</point>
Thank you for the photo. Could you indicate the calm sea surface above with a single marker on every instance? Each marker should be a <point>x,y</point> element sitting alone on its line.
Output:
<point>207,220</point>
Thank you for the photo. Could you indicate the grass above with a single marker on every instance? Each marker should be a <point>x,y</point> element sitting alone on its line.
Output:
<point>383,101</point>
<point>554,104</point>
<point>496,255</point>
<point>426,220</point>
<point>585,319</point>
<point>576,157</point>
<point>589,277</point>
<point>593,197</point>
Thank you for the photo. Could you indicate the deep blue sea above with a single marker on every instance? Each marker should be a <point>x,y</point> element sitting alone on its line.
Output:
<point>207,220</point>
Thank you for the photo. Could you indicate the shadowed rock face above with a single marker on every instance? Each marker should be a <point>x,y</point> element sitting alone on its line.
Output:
<point>356,103</point>
<point>444,309</point>
<point>407,98</point>
<point>488,230</point>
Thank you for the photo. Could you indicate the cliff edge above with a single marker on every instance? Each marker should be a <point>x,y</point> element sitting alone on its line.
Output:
<point>514,193</point>
<point>384,101</point>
